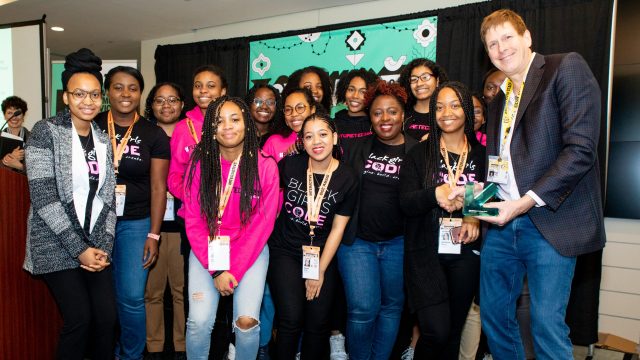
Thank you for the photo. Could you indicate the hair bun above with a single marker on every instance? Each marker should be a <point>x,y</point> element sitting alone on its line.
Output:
<point>82,61</point>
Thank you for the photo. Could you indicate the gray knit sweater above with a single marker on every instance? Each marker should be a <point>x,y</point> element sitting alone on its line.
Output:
<point>55,238</point>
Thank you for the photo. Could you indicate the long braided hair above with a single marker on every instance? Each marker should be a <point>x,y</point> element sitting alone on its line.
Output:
<point>207,156</point>
<point>433,142</point>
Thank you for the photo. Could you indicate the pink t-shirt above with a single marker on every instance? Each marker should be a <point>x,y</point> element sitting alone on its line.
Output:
<point>482,137</point>
<point>246,241</point>
<point>277,145</point>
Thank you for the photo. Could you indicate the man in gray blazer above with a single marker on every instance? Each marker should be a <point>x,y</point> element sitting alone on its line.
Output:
<point>542,135</point>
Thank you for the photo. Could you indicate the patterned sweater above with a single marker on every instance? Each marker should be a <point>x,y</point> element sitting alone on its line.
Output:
<point>55,237</point>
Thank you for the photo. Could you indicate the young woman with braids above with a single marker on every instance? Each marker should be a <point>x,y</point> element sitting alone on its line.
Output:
<point>441,255</point>
<point>420,78</point>
<point>317,80</point>
<point>265,103</point>
<point>164,107</point>
<point>298,105</point>
<point>319,196</point>
<point>231,197</point>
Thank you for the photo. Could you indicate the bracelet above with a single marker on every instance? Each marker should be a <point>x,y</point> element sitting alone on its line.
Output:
<point>216,273</point>
<point>154,236</point>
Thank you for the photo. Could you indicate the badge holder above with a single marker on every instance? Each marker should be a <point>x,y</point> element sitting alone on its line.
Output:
<point>474,205</point>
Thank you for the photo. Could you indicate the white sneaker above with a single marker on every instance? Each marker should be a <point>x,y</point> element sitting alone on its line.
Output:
<point>487,357</point>
<point>298,356</point>
<point>407,354</point>
<point>231,355</point>
<point>338,351</point>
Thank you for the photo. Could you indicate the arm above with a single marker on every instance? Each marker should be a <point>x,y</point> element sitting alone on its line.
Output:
<point>180,141</point>
<point>329,251</point>
<point>195,224</point>
<point>159,168</point>
<point>14,159</point>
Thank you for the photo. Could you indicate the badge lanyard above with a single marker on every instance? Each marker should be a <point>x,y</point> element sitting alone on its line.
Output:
<point>192,130</point>
<point>462,161</point>
<point>226,192</point>
<point>118,149</point>
<point>314,201</point>
<point>509,114</point>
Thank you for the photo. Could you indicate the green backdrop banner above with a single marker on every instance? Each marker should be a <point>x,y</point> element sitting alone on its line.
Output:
<point>384,48</point>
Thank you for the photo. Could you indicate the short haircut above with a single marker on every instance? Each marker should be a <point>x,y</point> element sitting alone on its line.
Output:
<point>382,88</point>
<point>214,69</point>
<point>133,72</point>
<point>14,102</point>
<point>498,18</point>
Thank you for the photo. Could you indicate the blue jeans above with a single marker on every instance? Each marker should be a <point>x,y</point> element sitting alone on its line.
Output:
<point>203,305</point>
<point>372,274</point>
<point>267,313</point>
<point>508,254</point>
<point>130,280</point>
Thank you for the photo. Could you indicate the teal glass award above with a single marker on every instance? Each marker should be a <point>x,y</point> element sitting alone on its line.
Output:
<point>474,204</point>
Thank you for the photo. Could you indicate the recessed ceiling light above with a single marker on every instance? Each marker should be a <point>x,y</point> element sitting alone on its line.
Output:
<point>57,28</point>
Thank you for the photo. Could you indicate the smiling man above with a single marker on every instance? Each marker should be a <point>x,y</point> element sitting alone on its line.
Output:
<point>542,135</point>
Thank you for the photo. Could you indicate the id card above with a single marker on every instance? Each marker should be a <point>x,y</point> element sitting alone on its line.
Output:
<point>449,231</point>
<point>168,212</point>
<point>219,253</point>
<point>498,170</point>
<point>121,195</point>
<point>311,262</point>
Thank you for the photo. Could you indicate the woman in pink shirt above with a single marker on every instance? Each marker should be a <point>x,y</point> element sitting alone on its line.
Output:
<point>230,202</point>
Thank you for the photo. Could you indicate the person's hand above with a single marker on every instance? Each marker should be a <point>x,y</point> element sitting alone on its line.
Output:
<point>93,259</point>
<point>150,252</point>
<point>10,161</point>
<point>18,154</point>
<point>314,286</point>
<point>507,210</point>
<point>225,283</point>
<point>470,230</point>
<point>445,201</point>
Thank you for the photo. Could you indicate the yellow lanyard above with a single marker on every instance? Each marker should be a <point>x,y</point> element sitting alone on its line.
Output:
<point>226,193</point>
<point>314,201</point>
<point>509,114</point>
<point>462,161</point>
<point>192,130</point>
<point>118,149</point>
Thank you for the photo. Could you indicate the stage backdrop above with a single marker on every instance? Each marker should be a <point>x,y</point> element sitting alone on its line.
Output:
<point>384,48</point>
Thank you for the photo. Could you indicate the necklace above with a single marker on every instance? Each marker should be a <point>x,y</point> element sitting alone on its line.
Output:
<point>86,142</point>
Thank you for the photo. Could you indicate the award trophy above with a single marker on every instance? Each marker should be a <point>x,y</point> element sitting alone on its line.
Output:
<point>474,204</point>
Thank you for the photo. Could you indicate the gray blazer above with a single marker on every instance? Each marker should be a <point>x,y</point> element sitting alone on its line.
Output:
<point>55,237</point>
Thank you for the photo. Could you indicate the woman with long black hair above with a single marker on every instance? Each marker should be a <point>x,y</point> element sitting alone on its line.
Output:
<point>441,255</point>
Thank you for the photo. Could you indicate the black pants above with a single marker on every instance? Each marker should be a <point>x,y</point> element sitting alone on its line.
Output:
<point>297,315</point>
<point>441,324</point>
<point>87,304</point>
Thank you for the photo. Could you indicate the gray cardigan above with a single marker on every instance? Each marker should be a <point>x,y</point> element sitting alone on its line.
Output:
<point>55,237</point>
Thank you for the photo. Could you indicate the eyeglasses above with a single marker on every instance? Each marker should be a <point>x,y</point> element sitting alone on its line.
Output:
<point>300,108</point>
<point>269,102</point>
<point>80,95</point>
<point>424,77</point>
<point>172,100</point>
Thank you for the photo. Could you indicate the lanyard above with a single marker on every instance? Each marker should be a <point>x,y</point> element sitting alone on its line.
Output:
<point>462,161</point>
<point>118,149</point>
<point>192,130</point>
<point>314,201</point>
<point>509,114</point>
<point>226,193</point>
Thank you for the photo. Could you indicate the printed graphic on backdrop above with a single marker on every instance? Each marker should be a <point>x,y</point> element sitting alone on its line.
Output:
<point>384,48</point>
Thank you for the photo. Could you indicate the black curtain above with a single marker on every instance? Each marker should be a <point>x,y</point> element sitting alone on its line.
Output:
<point>177,62</point>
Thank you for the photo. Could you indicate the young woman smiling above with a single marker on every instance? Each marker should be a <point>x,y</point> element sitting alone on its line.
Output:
<point>317,80</point>
<point>14,110</point>
<point>420,78</point>
<point>230,202</point>
<point>72,217</point>
<point>141,161</point>
<point>441,256</point>
<point>265,103</point>
<point>319,195</point>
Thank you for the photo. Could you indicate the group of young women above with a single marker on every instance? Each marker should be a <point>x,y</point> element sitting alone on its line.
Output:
<point>275,202</point>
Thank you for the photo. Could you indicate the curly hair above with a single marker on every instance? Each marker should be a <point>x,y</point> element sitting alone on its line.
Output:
<point>380,88</point>
<point>368,76</point>
<point>280,126</point>
<point>277,115</point>
<point>207,156</point>
<point>327,88</point>
<point>336,152</point>
<point>405,76</point>
<point>14,102</point>
<point>433,142</point>
<point>148,106</point>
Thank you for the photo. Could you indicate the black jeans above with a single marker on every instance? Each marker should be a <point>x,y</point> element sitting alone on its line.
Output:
<point>295,314</point>
<point>441,324</point>
<point>87,304</point>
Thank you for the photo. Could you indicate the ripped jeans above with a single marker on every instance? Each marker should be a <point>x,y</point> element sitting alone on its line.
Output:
<point>203,304</point>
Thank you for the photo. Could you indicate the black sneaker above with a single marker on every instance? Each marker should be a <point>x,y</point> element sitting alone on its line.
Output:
<point>153,356</point>
<point>180,355</point>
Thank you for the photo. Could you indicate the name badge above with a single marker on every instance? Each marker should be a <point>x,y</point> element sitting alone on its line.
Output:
<point>219,253</point>
<point>121,195</point>
<point>311,262</point>
<point>168,212</point>
<point>449,232</point>
<point>498,170</point>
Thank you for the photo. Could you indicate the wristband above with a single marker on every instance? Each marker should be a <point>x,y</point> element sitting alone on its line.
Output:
<point>216,273</point>
<point>154,236</point>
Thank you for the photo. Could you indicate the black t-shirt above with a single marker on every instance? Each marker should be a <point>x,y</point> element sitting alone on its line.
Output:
<point>93,169</point>
<point>291,230</point>
<point>380,216</point>
<point>148,141</point>
<point>351,129</point>
<point>416,124</point>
